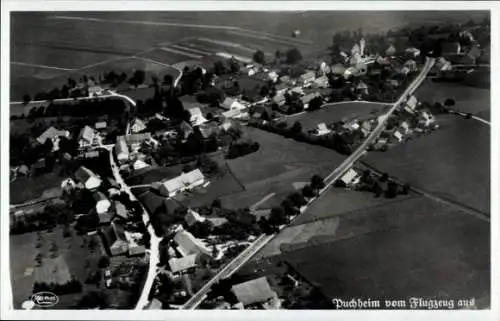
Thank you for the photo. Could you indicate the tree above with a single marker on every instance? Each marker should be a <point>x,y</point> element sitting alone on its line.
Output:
<point>219,68</point>
<point>277,216</point>
<point>259,57</point>
<point>293,56</point>
<point>405,189</point>
<point>392,190</point>
<point>384,177</point>
<point>449,102</point>
<point>296,128</point>
<point>26,99</point>
<point>377,189</point>
<point>103,262</point>
<point>317,182</point>
<point>216,203</point>
<point>308,191</point>
<point>315,104</point>
<point>277,55</point>
<point>168,80</point>
<point>234,66</point>
<point>139,77</point>
<point>297,199</point>
<point>94,299</point>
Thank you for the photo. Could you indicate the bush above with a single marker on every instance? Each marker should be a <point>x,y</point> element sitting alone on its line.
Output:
<point>308,191</point>
<point>103,262</point>
<point>317,182</point>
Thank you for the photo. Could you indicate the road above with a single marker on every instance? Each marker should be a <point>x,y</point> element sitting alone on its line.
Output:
<point>243,257</point>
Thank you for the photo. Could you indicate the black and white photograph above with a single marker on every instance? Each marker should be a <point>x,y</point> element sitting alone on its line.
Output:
<point>247,159</point>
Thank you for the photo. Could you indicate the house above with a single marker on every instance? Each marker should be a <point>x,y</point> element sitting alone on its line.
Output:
<point>397,134</point>
<point>362,88</point>
<point>232,113</point>
<point>411,65</point>
<point>286,80</point>
<point>231,103</point>
<point>181,183</point>
<point>321,82</point>
<point>473,54</point>
<point>404,71</point>
<point>412,52</point>
<point>451,47</point>
<point>136,139</point>
<point>193,217</point>
<point>217,221</point>
<point>442,64</point>
<point>366,127</point>
<point>405,127</point>
<point>394,83</point>
<point>212,128</point>
<point>196,118</point>
<point>426,119</point>
<point>100,125</point>
<point>324,69</point>
<point>307,78</point>
<point>307,98</point>
<point>121,149</point>
<point>411,104</point>
<point>137,126</point>
<point>338,69</point>
<point>281,88</point>
<point>115,239</point>
<point>85,176</point>
<point>133,240</point>
<point>253,292</point>
<point>23,170</point>
<point>102,204</point>
<point>86,137</point>
<point>68,184</point>
<point>390,51</point>
<point>186,129</point>
<point>91,154</point>
<point>351,125</point>
<point>226,125</point>
<point>95,90</point>
<point>120,210</point>
<point>187,244</point>
<point>350,178</point>
<point>322,130</point>
<point>139,164</point>
<point>178,265</point>
<point>53,135</point>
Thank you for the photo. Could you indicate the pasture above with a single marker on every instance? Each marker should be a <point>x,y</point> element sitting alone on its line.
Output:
<point>26,189</point>
<point>335,112</point>
<point>416,247</point>
<point>468,99</point>
<point>453,162</point>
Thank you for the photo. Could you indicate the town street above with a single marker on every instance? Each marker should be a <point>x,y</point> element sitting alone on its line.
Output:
<point>241,259</point>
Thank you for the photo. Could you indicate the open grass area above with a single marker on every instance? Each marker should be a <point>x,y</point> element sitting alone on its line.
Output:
<point>26,189</point>
<point>413,248</point>
<point>335,112</point>
<point>468,99</point>
<point>71,258</point>
<point>453,162</point>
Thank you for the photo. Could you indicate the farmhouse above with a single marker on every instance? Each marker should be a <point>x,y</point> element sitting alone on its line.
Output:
<point>85,176</point>
<point>281,88</point>
<point>307,78</point>
<point>102,204</point>
<point>115,239</point>
<point>321,82</point>
<point>178,265</point>
<point>100,125</point>
<point>411,65</point>
<point>350,178</point>
<point>196,118</point>
<point>136,139</point>
<point>397,134</point>
<point>133,239</point>
<point>322,130</point>
<point>121,149</point>
<point>181,183</point>
<point>139,164</point>
<point>120,210</point>
<point>186,129</point>
<point>405,127</point>
<point>187,244</point>
<point>307,98</point>
<point>137,126</point>
<point>95,90</point>
<point>411,104</point>
<point>253,292</point>
<point>231,103</point>
<point>412,52</point>
<point>390,51</point>
<point>86,137</point>
<point>193,217</point>
<point>52,134</point>
<point>362,88</point>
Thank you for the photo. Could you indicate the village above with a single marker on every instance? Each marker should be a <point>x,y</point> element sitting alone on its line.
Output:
<point>183,123</point>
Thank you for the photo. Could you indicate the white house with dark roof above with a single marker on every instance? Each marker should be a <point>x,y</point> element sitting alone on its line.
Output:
<point>85,176</point>
<point>100,125</point>
<point>53,135</point>
<point>187,244</point>
<point>196,116</point>
<point>86,137</point>
<point>138,125</point>
<point>350,178</point>
<point>116,240</point>
<point>253,292</point>
<point>193,217</point>
<point>181,183</point>
<point>232,103</point>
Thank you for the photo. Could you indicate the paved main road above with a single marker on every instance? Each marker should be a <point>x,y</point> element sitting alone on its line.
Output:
<point>241,259</point>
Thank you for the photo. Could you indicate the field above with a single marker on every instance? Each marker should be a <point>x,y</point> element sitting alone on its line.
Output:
<point>334,113</point>
<point>453,162</point>
<point>417,247</point>
<point>70,261</point>
<point>26,189</point>
<point>468,99</point>
<point>276,166</point>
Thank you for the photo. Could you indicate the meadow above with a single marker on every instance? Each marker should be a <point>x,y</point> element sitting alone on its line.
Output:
<point>453,162</point>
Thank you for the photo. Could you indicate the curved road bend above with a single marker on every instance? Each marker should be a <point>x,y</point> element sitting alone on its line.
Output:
<point>243,257</point>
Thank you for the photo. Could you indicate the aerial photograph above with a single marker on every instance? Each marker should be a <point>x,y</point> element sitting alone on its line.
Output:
<point>257,160</point>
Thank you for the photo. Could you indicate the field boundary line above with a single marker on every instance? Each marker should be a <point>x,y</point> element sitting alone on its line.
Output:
<point>26,64</point>
<point>235,178</point>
